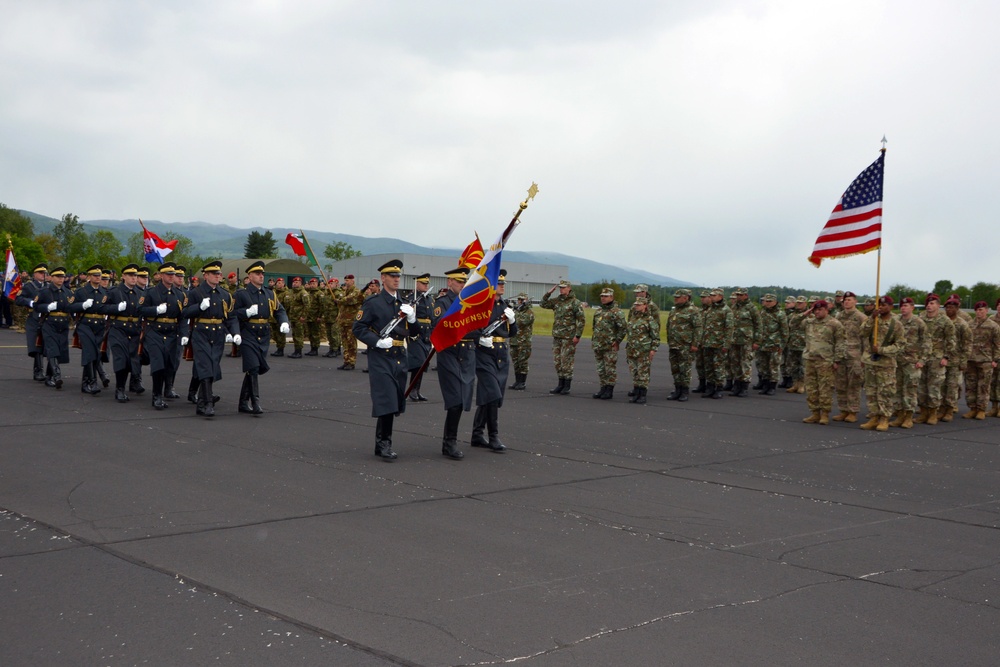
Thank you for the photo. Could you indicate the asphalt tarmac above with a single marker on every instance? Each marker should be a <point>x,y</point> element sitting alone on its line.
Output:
<point>704,533</point>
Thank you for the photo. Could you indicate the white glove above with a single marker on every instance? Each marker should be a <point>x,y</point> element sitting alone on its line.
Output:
<point>411,314</point>
<point>31,304</point>
<point>229,338</point>
<point>384,343</point>
<point>184,341</point>
<point>52,306</point>
<point>238,339</point>
<point>122,305</point>
<point>206,303</point>
<point>252,311</point>
<point>87,304</point>
<point>509,314</point>
<point>486,342</point>
<point>162,308</point>
<point>285,328</point>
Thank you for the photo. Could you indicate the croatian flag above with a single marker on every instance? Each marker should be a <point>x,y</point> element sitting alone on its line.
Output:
<point>11,277</point>
<point>156,249</point>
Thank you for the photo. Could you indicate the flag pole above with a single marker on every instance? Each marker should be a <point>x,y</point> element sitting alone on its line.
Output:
<point>321,271</point>
<point>514,222</point>
<point>878,273</point>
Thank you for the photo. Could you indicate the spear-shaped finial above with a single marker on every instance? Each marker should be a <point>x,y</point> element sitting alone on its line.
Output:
<point>884,142</point>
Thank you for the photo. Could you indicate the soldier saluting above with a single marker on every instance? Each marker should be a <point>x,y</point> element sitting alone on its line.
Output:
<point>254,306</point>
<point>383,324</point>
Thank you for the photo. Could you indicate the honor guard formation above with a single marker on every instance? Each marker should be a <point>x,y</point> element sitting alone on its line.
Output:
<point>911,366</point>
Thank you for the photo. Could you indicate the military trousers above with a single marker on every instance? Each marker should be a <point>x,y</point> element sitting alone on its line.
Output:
<point>716,365</point>
<point>332,334</point>
<point>978,375</point>
<point>519,355</point>
<point>639,365</point>
<point>952,386</point>
<point>769,364</point>
<point>849,379</point>
<point>880,388</point>
<point>680,365</point>
<point>348,342</point>
<point>907,384</point>
<point>564,355</point>
<point>794,368</point>
<point>740,362</point>
<point>298,334</point>
<point>818,376</point>
<point>930,390</point>
<point>607,365</point>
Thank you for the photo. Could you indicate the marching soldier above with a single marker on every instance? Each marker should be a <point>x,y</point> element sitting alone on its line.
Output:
<point>994,410</point>
<point>135,382</point>
<point>163,329</point>
<point>773,338</point>
<point>643,341</point>
<point>26,298</point>
<point>567,328</point>
<point>254,306</point>
<point>297,305</point>
<point>492,371</point>
<point>879,359</point>
<point>279,338</point>
<point>609,329</point>
<point>125,300</point>
<point>349,300</point>
<point>456,367</point>
<point>213,327</point>
<point>90,328</point>
<point>57,303</point>
<point>683,337</point>
<point>419,345</point>
<point>985,352</point>
<point>520,342</point>
<point>383,324</point>
<point>824,351</point>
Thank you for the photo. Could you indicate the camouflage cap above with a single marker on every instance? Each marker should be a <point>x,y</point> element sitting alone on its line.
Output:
<point>641,287</point>
<point>829,299</point>
<point>813,299</point>
<point>717,292</point>
<point>770,297</point>
<point>801,299</point>
<point>523,296</point>
<point>870,301</point>
<point>607,291</point>
<point>840,292</point>
<point>682,292</point>
<point>789,299</point>
<point>739,290</point>
<point>564,283</point>
<point>706,293</point>
<point>642,301</point>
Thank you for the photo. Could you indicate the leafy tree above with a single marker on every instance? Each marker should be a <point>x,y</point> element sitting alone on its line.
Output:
<point>340,250</point>
<point>943,288</point>
<point>49,245</point>
<point>965,294</point>
<point>983,291</point>
<point>27,252</point>
<point>898,291</point>
<point>14,223</point>
<point>260,246</point>
<point>105,249</point>
<point>71,236</point>
<point>593,292</point>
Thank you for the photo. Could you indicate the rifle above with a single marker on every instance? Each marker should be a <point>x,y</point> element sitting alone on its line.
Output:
<point>387,329</point>
<point>142,340</point>
<point>104,341</point>
<point>488,331</point>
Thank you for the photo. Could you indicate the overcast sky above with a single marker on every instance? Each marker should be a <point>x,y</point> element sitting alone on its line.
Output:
<point>706,140</point>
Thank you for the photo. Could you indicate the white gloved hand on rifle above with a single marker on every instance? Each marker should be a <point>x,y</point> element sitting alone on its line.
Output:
<point>238,339</point>
<point>229,338</point>
<point>184,341</point>
<point>52,306</point>
<point>486,342</point>
<point>407,310</point>
<point>509,314</point>
<point>384,343</point>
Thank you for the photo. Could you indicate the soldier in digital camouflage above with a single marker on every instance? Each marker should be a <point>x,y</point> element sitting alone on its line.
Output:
<point>643,341</point>
<point>609,328</point>
<point>567,328</point>
<point>684,333</point>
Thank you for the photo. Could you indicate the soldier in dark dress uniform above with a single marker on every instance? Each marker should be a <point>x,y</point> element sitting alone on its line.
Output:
<point>386,352</point>
<point>419,345</point>
<point>183,333</point>
<point>163,328</point>
<point>103,356</point>
<point>141,285</point>
<point>492,370</point>
<point>213,326</point>
<point>456,367</point>
<point>124,301</point>
<point>57,303</point>
<point>255,305</point>
<point>26,299</point>
<point>90,328</point>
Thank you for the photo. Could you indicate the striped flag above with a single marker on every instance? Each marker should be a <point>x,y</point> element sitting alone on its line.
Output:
<point>855,225</point>
<point>300,246</point>
<point>11,276</point>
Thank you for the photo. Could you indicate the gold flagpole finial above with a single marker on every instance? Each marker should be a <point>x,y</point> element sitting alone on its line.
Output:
<point>532,191</point>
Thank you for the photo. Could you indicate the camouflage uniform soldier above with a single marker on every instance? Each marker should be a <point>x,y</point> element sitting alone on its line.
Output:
<point>786,377</point>
<point>823,338</point>
<point>314,317</point>
<point>297,305</point>
<point>643,290</point>
<point>941,342</point>
<point>773,337</point>
<point>643,340</point>
<point>746,339</point>
<point>797,344</point>
<point>520,343</point>
<point>683,336</point>
<point>956,365</point>
<point>994,411</point>
<point>349,299</point>
<point>909,363</point>
<point>879,359</point>
<point>850,374</point>
<point>279,338</point>
<point>330,311</point>
<point>982,360</point>
<point>838,303</point>
<point>717,336</point>
<point>609,330</point>
<point>567,327</point>
<point>699,356</point>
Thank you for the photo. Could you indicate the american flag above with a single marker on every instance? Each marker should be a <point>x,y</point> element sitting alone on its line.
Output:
<point>855,226</point>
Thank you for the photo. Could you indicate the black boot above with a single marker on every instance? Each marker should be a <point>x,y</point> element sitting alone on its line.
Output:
<point>786,382</point>
<point>600,392</point>
<point>717,394</point>
<point>120,394</point>
<point>728,386</point>
<point>634,394</point>
<point>278,352</point>
<point>449,444</point>
<point>610,393</point>
<point>742,393</point>
<point>135,385</point>
<point>641,399</point>
<point>735,388</point>
<point>329,354</point>
<point>685,394</point>
<point>244,404</point>
<point>559,387</point>
<point>519,379</point>
<point>89,385</point>
<point>565,389</point>
<point>193,390</point>
<point>297,354</point>
<point>37,372</point>
<point>675,394</point>
<point>761,384</point>
<point>105,380</point>
<point>206,406</point>
<point>158,402</point>
<point>709,390</point>
<point>479,428</point>
<point>771,386</point>
<point>255,395</point>
<point>700,389</point>
<point>57,380</point>
<point>312,352</point>
<point>493,427</point>
<point>383,438</point>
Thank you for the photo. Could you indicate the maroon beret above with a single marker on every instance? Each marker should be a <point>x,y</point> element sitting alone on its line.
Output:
<point>955,297</point>
<point>847,294</point>
<point>349,276</point>
<point>821,304</point>
<point>981,304</point>
<point>952,300</point>
<point>905,299</point>
<point>887,300</point>
<point>932,297</point>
